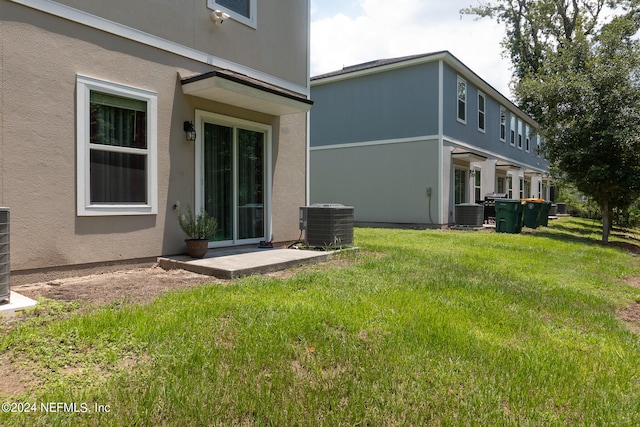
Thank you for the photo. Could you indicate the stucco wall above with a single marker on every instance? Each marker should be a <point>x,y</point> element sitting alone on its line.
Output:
<point>39,65</point>
<point>277,46</point>
<point>384,183</point>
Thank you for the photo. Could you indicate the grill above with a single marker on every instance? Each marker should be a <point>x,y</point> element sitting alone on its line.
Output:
<point>490,206</point>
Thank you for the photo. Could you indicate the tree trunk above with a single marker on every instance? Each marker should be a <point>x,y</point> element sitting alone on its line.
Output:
<point>606,221</point>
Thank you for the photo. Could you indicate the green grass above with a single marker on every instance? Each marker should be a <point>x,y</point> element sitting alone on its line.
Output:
<point>421,328</point>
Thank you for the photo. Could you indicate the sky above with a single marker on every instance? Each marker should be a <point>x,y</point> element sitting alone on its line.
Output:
<point>349,32</point>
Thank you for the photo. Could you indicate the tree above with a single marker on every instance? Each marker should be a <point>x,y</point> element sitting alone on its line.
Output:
<point>579,77</point>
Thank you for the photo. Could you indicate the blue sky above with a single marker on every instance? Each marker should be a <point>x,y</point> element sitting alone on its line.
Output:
<point>348,32</point>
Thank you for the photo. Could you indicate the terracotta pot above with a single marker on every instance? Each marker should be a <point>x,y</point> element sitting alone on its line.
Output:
<point>197,248</point>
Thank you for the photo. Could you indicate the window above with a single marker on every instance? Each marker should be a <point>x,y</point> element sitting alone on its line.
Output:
<point>512,130</point>
<point>527,138</point>
<point>481,110</point>
<point>478,185</point>
<point>116,146</point>
<point>522,188</point>
<point>460,186</point>
<point>538,144</point>
<point>540,195</point>
<point>462,100</point>
<point>503,124</point>
<point>501,184</point>
<point>510,182</point>
<point>240,10</point>
<point>520,134</point>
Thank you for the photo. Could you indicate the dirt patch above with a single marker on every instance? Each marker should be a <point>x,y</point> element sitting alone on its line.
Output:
<point>632,248</point>
<point>15,377</point>
<point>631,314</point>
<point>138,285</point>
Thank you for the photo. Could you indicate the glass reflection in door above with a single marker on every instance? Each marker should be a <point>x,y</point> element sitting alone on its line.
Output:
<point>234,181</point>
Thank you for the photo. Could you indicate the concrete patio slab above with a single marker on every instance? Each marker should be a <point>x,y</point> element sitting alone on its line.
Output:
<point>238,262</point>
<point>17,302</point>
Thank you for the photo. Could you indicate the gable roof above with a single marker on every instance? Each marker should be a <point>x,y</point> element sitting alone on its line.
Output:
<point>383,65</point>
<point>375,64</point>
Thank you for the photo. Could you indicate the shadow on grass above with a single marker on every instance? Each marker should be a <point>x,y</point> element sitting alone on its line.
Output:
<point>590,234</point>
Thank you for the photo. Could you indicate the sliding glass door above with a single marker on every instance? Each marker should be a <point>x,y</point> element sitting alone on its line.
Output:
<point>235,184</point>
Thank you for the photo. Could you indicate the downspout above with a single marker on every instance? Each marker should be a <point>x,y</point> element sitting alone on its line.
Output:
<point>308,127</point>
<point>440,200</point>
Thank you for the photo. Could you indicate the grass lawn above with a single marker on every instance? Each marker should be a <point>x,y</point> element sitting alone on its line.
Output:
<point>440,328</point>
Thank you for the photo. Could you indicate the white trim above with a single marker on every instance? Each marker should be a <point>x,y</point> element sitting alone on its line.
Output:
<point>513,128</point>
<point>493,155</point>
<point>205,116</point>
<point>250,21</point>
<point>466,99</point>
<point>96,22</point>
<point>307,161</point>
<point>84,86</point>
<point>520,141</point>
<point>444,56</point>
<point>442,213</point>
<point>483,111</point>
<point>381,69</point>
<point>373,143</point>
<point>427,138</point>
<point>503,109</point>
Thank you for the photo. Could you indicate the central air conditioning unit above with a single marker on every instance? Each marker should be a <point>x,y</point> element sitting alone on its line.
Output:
<point>469,214</point>
<point>5,272</point>
<point>327,225</point>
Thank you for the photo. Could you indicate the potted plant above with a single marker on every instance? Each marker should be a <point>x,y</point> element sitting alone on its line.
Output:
<point>200,228</point>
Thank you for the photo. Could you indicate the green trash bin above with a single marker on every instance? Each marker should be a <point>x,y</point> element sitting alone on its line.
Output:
<point>544,214</point>
<point>508,216</point>
<point>532,209</point>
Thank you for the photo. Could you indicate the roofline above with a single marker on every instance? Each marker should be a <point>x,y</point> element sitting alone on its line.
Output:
<point>445,56</point>
<point>247,82</point>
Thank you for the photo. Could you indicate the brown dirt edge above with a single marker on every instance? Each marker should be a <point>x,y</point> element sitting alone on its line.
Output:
<point>631,314</point>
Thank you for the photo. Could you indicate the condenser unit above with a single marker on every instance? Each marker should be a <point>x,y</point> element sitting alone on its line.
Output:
<point>5,271</point>
<point>327,225</point>
<point>469,214</point>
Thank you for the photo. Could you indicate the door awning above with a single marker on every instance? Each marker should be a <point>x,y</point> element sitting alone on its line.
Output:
<point>245,92</point>
<point>503,166</point>
<point>467,156</point>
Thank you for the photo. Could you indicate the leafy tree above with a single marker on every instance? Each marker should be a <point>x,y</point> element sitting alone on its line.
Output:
<point>579,77</point>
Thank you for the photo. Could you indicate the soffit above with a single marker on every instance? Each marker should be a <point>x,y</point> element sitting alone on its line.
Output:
<point>245,92</point>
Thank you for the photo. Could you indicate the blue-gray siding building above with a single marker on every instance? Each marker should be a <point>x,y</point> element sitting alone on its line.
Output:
<point>405,140</point>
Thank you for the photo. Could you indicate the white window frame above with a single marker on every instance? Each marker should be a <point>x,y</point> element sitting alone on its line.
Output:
<point>519,134</point>
<point>482,112</point>
<point>84,86</point>
<point>527,138</point>
<point>503,123</point>
<point>512,130</point>
<point>462,81</point>
<point>250,21</point>
<point>477,187</point>
<point>538,143</point>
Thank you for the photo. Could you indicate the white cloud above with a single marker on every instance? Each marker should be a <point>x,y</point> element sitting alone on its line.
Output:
<point>406,27</point>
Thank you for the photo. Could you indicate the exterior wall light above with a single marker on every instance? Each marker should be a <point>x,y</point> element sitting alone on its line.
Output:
<point>190,131</point>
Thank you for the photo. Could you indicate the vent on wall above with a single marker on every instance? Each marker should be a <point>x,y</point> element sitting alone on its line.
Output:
<point>5,271</point>
<point>327,225</point>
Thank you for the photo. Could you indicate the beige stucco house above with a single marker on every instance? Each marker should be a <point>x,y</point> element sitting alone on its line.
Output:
<point>95,100</point>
